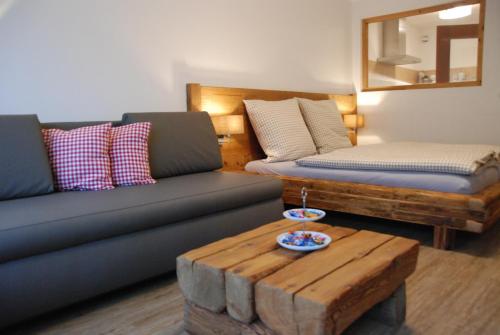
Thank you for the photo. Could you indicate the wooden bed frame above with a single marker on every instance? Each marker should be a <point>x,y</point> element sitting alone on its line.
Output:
<point>447,212</point>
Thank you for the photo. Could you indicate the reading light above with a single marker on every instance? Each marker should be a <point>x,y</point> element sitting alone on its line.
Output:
<point>455,12</point>
<point>354,121</point>
<point>227,125</point>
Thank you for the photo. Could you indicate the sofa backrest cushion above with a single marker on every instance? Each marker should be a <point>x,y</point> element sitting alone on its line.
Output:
<point>24,163</point>
<point>180,142</point>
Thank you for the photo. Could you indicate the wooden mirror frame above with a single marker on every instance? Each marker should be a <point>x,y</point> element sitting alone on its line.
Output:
<point>425,10</point>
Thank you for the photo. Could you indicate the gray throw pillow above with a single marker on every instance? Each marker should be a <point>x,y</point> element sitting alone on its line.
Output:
<point>24,163</point>
<point>179,142</point>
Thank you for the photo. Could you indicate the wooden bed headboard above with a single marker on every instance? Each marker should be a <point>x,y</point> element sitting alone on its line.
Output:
<point>226,101</point>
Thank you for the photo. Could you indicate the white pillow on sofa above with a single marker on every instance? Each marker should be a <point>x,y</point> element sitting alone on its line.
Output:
<point>280,129</point>
<point>325,124</point>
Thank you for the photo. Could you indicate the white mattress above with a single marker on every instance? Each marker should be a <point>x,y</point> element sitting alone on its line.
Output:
<point>427,181</point>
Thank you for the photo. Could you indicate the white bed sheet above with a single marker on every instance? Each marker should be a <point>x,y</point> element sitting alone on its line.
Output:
<point>419,180</point>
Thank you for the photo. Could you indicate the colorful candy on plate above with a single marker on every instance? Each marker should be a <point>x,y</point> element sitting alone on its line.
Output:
<point>302,239</point>
<point>303,213</point>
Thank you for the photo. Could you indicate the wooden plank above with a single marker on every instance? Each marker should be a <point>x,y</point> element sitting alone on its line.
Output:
<point>240,279</point>
<point>389,204</point>
<point>488,195</point>
<point>423,86</point>
<point>444,237</point>
<point>364,54</point>
<point>193,95</point>
<point>477,203</point>
<point>382,211</point>
<point>209,289</point>
<point>493,212</point>
<point>480,42</point>
<point>185,262</point>
<point>274,294</point>
<point>385,192</point>
<point>331,304</point>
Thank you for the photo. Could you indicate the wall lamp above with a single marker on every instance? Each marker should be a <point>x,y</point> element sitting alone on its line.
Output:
<point>354,121</point>
<point>227,125</point>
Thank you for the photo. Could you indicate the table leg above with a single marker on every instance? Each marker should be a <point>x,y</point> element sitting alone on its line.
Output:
<point>444,237</point>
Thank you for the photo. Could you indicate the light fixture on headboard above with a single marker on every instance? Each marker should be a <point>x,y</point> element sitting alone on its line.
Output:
<point>227,125</point>
<point>354,121</point>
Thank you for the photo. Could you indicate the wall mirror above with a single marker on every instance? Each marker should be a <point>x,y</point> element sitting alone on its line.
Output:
<point>432,47</point>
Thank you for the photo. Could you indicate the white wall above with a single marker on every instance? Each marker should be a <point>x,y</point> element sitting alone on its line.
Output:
<point>454,115</point>
<point>96,59</point>
<point>375,38</point>
<point>463,52</point>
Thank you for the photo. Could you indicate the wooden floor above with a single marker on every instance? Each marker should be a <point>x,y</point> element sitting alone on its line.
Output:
<point>452,292</point>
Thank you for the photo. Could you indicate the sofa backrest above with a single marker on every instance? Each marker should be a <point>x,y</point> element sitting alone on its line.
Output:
<point>74,125</point>
<point>180,142</point>
<point>24,164</point>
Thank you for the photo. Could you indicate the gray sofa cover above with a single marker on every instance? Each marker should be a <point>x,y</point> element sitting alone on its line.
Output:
<point>63,247</point>
<point>189,137</point>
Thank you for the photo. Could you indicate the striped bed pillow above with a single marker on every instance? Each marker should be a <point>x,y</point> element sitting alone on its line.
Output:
<point>325,123</point>
<point>280,129</point>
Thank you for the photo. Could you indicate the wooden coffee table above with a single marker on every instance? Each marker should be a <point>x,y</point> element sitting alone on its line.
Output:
<point>248,284</point>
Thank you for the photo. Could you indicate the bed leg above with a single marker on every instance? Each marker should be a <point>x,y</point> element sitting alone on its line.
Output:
<point>444,237</point>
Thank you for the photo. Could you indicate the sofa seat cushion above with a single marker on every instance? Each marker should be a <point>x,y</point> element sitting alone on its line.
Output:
<point>36,225</point>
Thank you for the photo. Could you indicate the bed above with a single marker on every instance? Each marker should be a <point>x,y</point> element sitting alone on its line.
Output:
<point>454,203</point>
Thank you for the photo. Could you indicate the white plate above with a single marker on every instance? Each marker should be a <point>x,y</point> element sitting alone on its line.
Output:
<point>328,240</point>
<point>287,214</point>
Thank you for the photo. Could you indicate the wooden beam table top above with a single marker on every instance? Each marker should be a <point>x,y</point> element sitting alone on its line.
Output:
<point>252,280</point>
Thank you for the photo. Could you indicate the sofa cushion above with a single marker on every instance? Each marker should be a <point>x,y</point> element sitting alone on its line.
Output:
<point>38,225</point>
<point>129,155</point>
<point>24,163</point>
<point>80,157</point>
<point>180,142</point>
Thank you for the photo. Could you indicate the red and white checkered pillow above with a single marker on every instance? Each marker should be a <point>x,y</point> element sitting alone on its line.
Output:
<point>80,157</point>
<point>129,155</point>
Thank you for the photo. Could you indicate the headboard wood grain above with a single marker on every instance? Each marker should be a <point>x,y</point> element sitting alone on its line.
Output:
<point>229,101</point>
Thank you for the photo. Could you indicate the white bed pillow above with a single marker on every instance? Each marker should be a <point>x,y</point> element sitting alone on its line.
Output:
<point>325,124</point>
<point>280,129</point>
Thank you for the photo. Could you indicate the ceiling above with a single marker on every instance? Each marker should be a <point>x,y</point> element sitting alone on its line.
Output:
<point>432,19</point>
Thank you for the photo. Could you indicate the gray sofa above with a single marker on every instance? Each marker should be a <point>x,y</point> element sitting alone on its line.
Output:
<point>57,248</point>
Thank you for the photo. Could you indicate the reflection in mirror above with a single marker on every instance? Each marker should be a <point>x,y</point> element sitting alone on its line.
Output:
<point>440,47</point>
